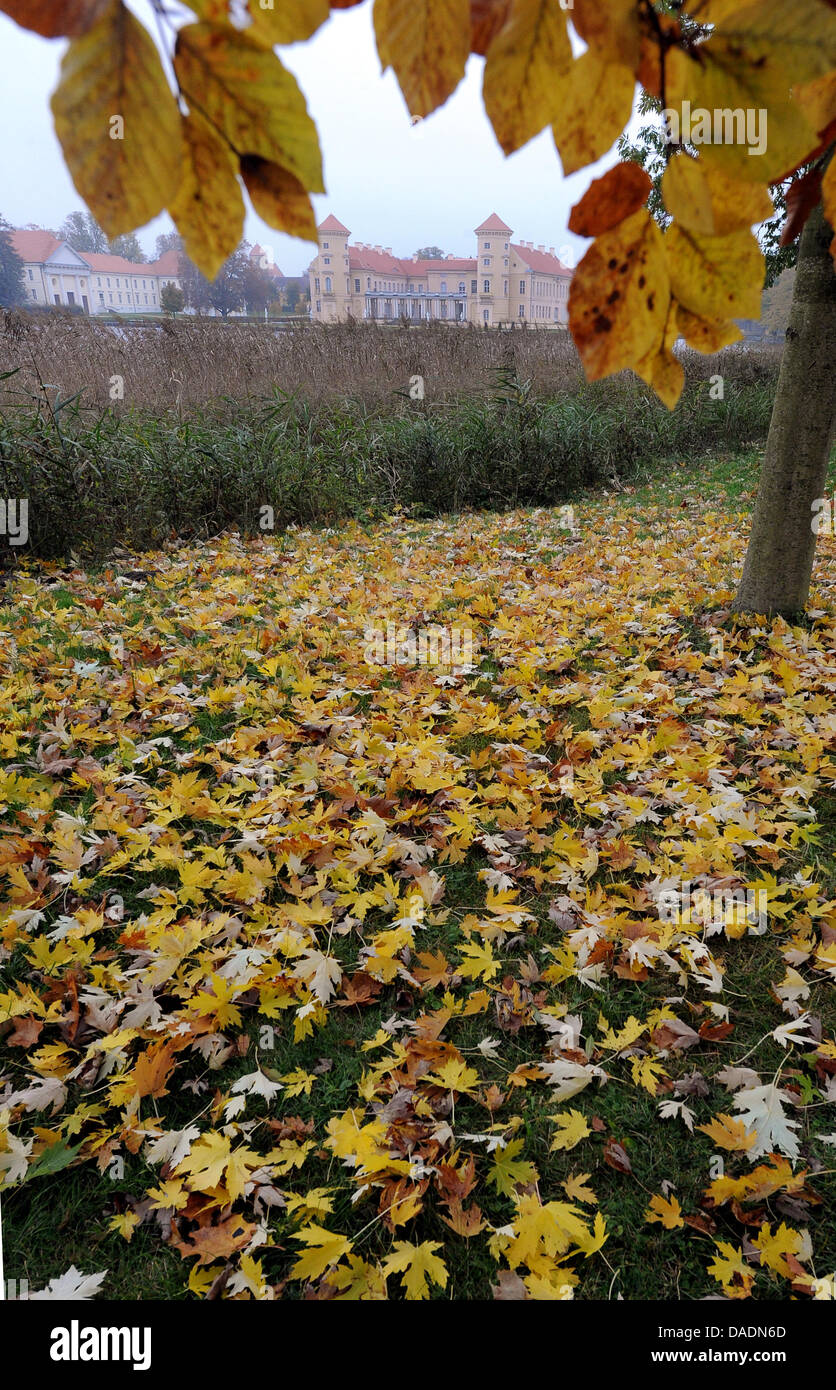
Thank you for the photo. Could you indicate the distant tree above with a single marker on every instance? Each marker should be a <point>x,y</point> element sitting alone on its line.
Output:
<point>259,288</point>
<point>292,296</point>
<point>167,241</point>
<point>172,298</point>
<point>83,233</point>
<point>430,253</point>
<point>12,290</point>
<point>128,247</point>
<point>194,283</point>
<point>227,290</point>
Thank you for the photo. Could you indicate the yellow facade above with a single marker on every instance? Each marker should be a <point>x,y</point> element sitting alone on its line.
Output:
<point>505,283</point>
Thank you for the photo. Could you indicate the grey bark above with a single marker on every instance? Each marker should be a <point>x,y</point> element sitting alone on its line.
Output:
<point>779,558</point>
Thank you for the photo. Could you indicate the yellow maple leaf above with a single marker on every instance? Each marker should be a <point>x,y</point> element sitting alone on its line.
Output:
<point>576,1189</point>
<point>455,1075</point>
<point>665,1210</point>
<point>325,1248</point>
<point>572,1129</point>
<point>418,1265</point>
<point>729,1133</point>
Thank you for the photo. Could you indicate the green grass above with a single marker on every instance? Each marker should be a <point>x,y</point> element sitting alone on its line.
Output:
<point>98,478</point>
<point>54,1221</point>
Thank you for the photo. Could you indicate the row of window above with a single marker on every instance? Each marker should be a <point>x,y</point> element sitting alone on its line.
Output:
<point>83,284</point>
<point>561,287</point>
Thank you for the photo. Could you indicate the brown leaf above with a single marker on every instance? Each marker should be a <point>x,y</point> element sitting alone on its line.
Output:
<point>617,1157</point>
<point>802,196</point>
<point>212,1242</point>
<point>509,1287</point>
<point>26,1033</point>
<point>359,989</point>
<point>486,19</point>
<point>153,1068</point>
<point>714,1032</point>
<point>674,1036</point>
<point>55,19</point>
<point>608,200</point>
<point>493,1097</point>
<point>464,1223</point>
<point>433,970</point>
<point>278,197</point>
<point>456,1183</point>
<point>701,1221</point>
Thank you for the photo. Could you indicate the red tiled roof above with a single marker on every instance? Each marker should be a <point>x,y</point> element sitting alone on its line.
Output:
<point>332,224</point>
<point>99,261</point>
<point>449,263</point>
<point>34,246</point>
<point>494,224</point>
<point>167,264</point>
<point>366,258</point>
<point>540,261</point>
<point>37,246</point>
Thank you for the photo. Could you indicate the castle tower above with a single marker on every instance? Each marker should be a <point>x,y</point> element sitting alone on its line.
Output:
<point>490,304</point>
<point>328,272</point>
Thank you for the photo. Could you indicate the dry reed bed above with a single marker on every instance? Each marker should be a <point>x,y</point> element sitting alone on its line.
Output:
<point>182,364</point>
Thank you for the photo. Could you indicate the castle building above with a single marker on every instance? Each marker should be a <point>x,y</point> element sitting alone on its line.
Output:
<point>505,283</point>
<point>55,274</point>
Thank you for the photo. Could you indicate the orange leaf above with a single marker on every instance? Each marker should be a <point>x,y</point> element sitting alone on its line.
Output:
<point>608,200</point>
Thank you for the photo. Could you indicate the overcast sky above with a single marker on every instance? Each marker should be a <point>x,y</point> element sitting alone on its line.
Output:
<point>391,183</point>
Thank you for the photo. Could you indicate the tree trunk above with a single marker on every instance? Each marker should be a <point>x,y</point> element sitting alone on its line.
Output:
<point>779,559</point>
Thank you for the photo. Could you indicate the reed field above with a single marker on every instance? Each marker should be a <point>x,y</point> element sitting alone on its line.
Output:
<point>185,428</point>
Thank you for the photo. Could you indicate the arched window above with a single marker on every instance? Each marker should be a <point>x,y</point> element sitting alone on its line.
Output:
<point>327,284</point>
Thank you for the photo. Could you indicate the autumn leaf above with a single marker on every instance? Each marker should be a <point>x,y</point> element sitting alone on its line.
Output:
<point>418,1265</point>
<point>427,43</point>
<point>728,1133</point>
<point>215,1241</point>
<point>572,1128</point>
<point>118,122</point>
<point>616,1156</point>
<point>523,69</point>
<point>776,1248</point>
<point>716,277</point>
<point>249,98</point>
<point>730,1269</point>
<point>486,19</point>
<point>618,301</point>
<point>576,1189</point>
<point>208,209</point>
<point>324,1249</point>
<point>613,33</point>
<point>454,1075</point>
<point>465,1222</point>
<point>665,1210</point>
<point>56,18</point>
<point>153,1069</point>
<point>509,1172</point>
<point>608,200</point>
<point>593,103</point>
<point>705,200</point>
<point>747,65</point>
<point>284,23</point>
<point>278,197</point>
